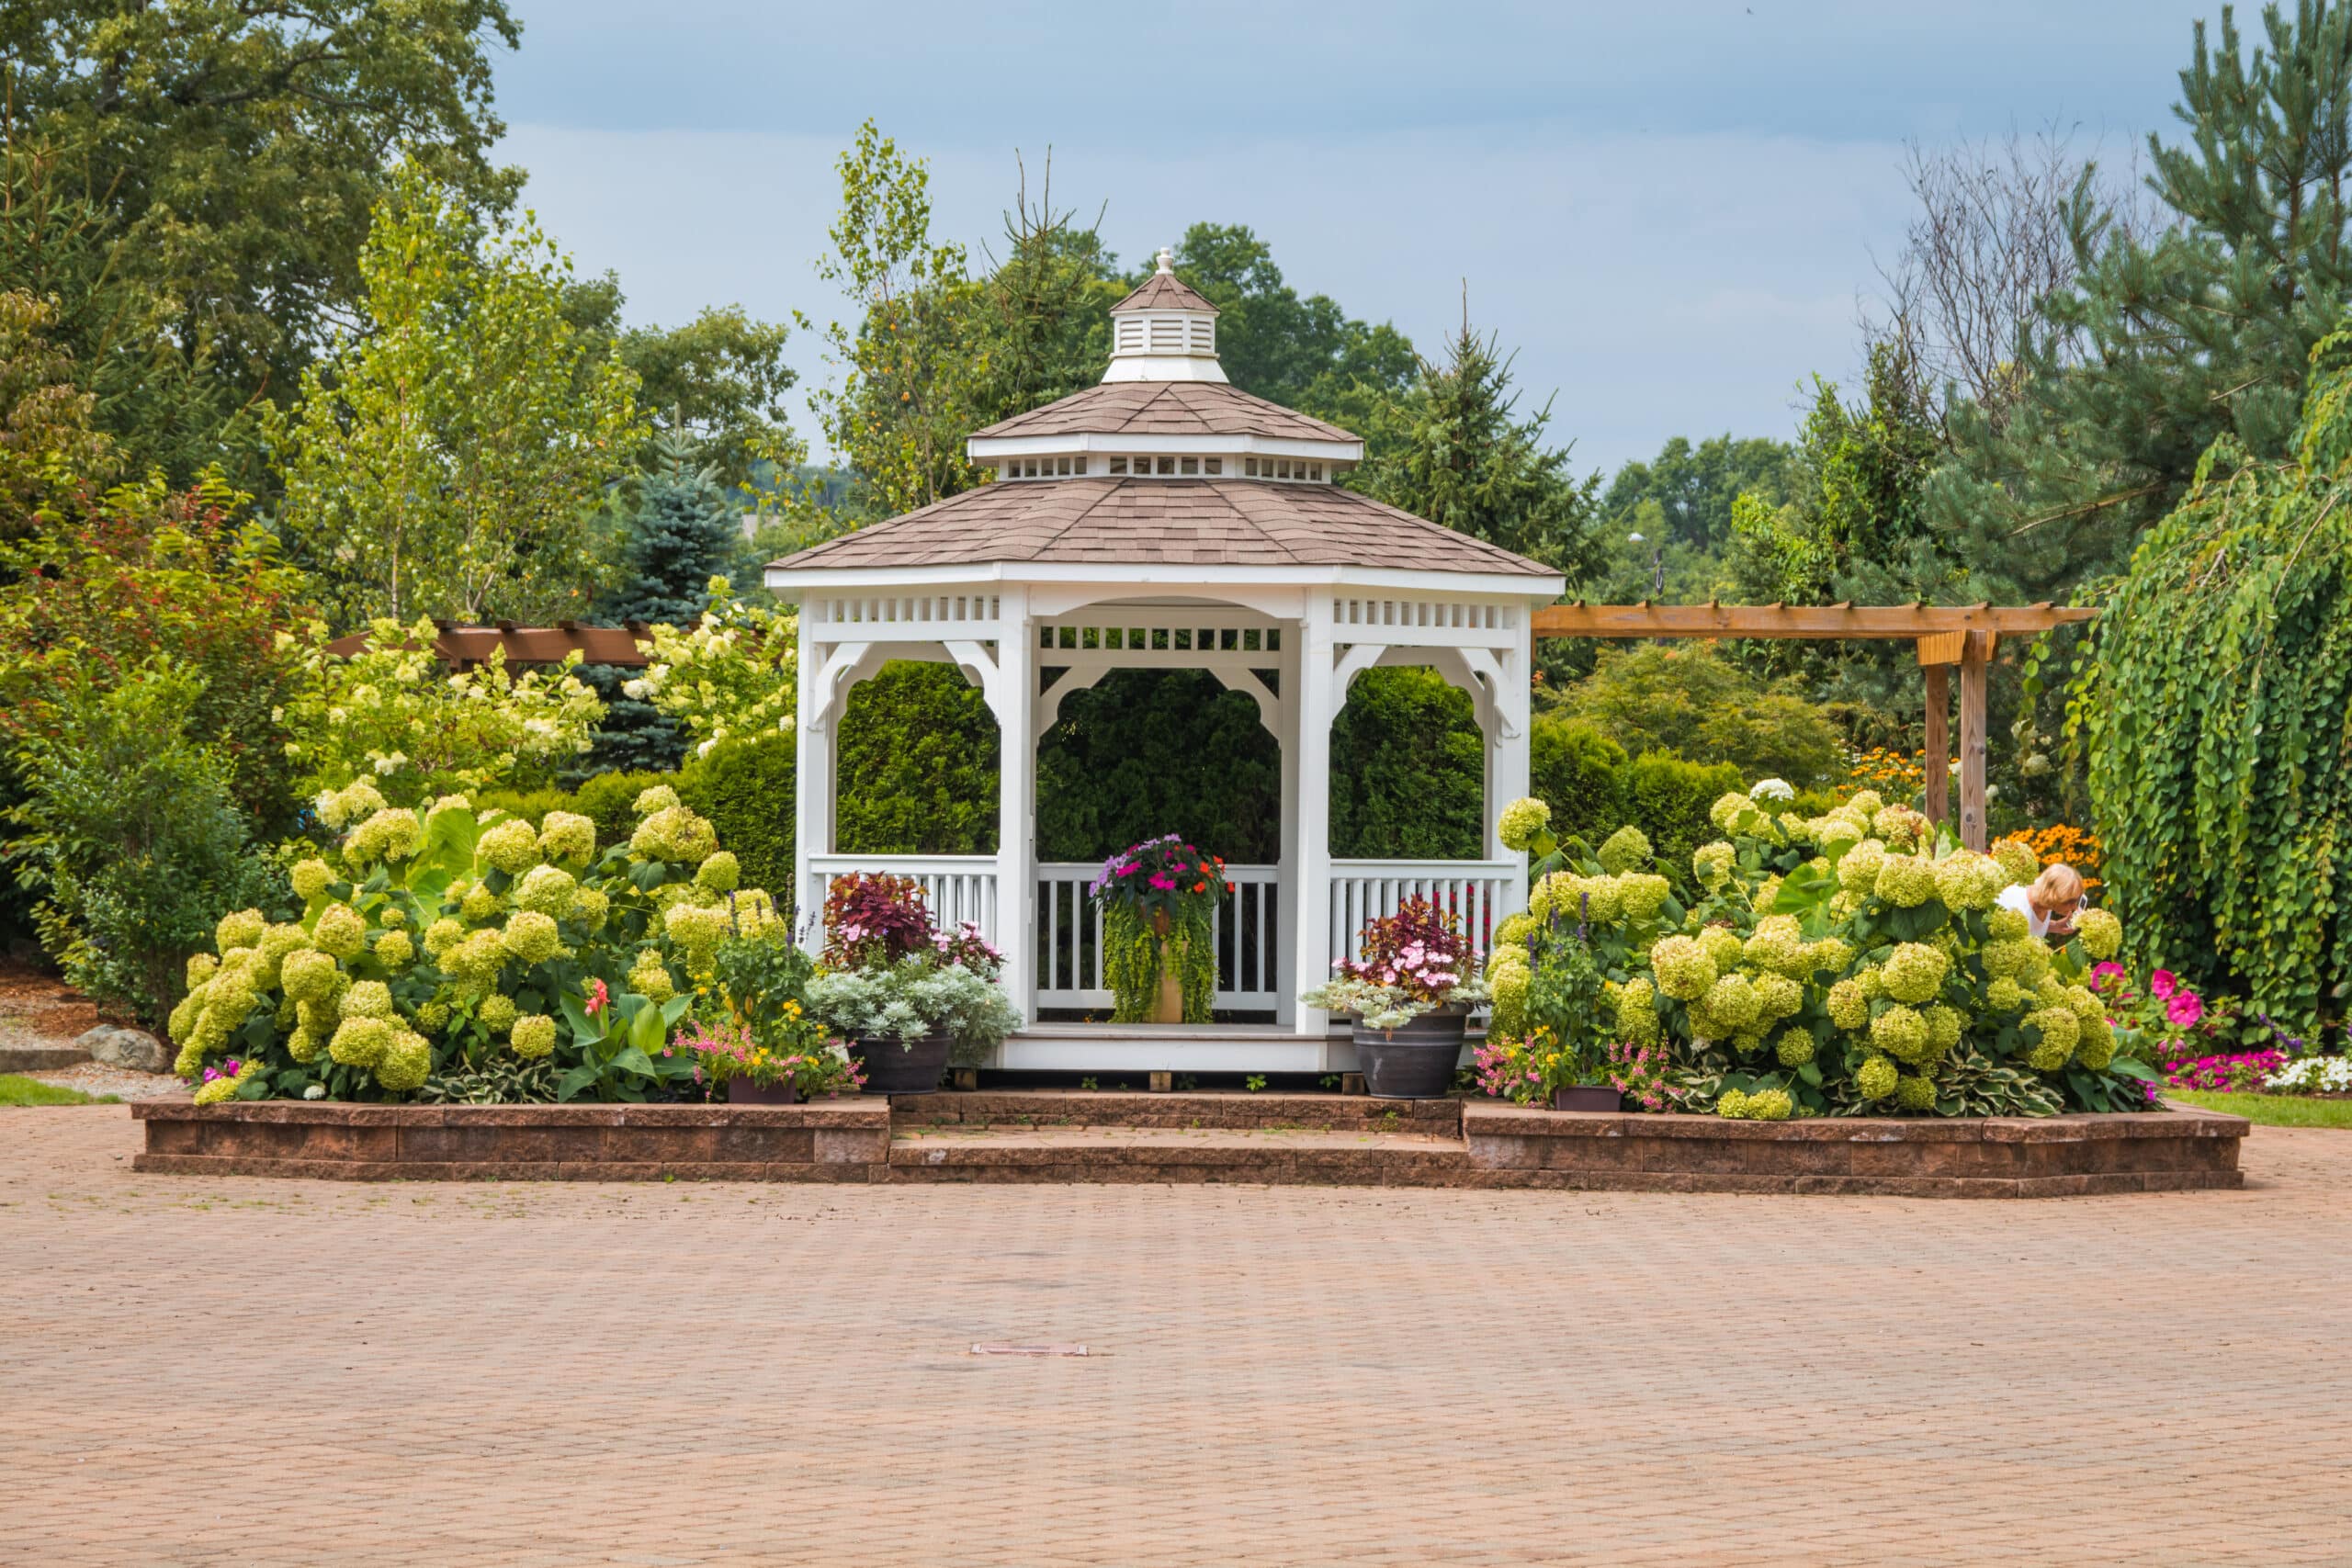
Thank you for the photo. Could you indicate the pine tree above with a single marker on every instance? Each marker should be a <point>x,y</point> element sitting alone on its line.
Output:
<point>684,533</point>
<point>2162,345</point>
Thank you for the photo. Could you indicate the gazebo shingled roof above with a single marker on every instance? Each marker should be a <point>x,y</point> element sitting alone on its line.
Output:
<point>1165,408</point>
<point>1151,522</point>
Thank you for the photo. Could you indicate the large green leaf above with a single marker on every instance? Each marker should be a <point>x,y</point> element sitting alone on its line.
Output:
<point>447,853</point>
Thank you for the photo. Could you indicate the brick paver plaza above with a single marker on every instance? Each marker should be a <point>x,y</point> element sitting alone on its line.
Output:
<point>237,1370</point>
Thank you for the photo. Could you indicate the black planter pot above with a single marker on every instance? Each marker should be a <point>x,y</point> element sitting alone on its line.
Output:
<point>1415,1062</point>
<point>893,1067</point>
<point>1587,1096</point>
<point>743,1091</point>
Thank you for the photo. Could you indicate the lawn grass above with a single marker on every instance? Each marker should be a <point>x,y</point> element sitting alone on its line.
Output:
<point>16,1091</point>
<point>2267,1109</point>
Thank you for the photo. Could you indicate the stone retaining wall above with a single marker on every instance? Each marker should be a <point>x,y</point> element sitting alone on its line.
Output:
<point>1990,1157</point>
<point>847,1140</point>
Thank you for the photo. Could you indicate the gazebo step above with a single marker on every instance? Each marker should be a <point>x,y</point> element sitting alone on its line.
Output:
<point>1172,1154</point>
<point>1013,1111</point>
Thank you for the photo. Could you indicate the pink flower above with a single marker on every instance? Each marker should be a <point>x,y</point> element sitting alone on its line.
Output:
<point>2184,1008</point>
<point>598,999</point>
<point>2162,984</point>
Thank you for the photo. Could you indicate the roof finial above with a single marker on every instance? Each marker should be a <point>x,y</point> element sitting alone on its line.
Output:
<point>1167,260</point>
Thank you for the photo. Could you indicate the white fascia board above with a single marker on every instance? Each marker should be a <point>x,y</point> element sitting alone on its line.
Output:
<point>1457,584</point>
<point>979,449</point>
<point>1135,364</point>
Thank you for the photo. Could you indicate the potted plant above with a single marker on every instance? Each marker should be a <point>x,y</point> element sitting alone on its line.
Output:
<point>737,1066</point>
<point>1410,993</point>
<point>1158,958</point>
<point>1565,1002</point>
<point>906,997</point>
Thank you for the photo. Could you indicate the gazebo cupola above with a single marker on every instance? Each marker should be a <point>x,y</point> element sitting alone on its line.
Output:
<point>1164,332</point>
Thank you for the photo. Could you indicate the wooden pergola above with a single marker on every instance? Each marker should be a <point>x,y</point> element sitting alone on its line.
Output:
<point>464,647</point>
<point>1962,635</point>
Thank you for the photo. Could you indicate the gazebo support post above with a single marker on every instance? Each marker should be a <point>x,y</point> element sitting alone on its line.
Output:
<point>1937,757</point>
<point>1973,661</point>
<point>813,763</point>
<point>1319,702</point>
<point>1014,698</point>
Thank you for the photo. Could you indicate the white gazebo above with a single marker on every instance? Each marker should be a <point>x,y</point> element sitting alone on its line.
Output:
<point>1166,519</point>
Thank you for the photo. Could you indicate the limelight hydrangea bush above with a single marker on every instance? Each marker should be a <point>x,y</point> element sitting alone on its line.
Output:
<point>1850,963</point>
<point>731,673</point>
<point>444,941</point>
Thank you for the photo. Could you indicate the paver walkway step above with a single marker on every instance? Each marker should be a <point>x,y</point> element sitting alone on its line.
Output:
<point>40,1059</point>
<point>1192,1110</point>
<point>1174,1153</point>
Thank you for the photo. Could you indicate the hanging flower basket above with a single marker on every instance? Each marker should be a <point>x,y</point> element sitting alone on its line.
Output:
<point>1158,955</point>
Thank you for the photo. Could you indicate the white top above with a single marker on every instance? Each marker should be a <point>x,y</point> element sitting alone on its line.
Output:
<point>2016,897</point>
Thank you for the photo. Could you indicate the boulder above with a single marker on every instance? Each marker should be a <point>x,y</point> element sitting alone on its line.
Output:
<point>120,1047</point>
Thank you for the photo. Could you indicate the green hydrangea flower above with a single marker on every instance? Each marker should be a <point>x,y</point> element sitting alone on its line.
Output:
<point>1858,872</point>
<point>546,890</point>
<point>2019,860</point>
<point>532,1035</point>
<point>1521,822</point>
<point>340,931</point>
<point>242,929</point>
<point>1830,955</point>
<point>433,1017</point>
<point>1636,1006</point>
<point>661,797</point>
<point>1945,1026</point>
<point>589,907</point>
<point>1770,1105</point>
<point>1732,1104</point>
<point>202,967</point>
<point>651,977</point>
<point>395,950</point>
<point>1684,970</point>
<point>1906,881</point>
<point>311,878</point>
<point>1731,1005</point>
<point>1627,848</point>
<point>694,928</point>
<point>1901,1033</point>
<point>496,1014</point>
<point>510,846</point>
<point>531,937</point>
<point>674,834</point>
<point>1850,1005</point>
<point>1776,997</point>
<point>567,836</point>
<point>1795,1047</point>
<point>1514,929</point>
<point>404,1064</point>
<point>1641,895</point>
<point>2060,1030</point>
<point>2100,933</point>
<point>308,976</point>
<point>340,808</point>
<point>1711,864</point>
<point>1835,834</point>
<point>1915,972</point>
<point>2096,1048</point>
<point>478,959</point>
<point>367,999</point>
<point>1876,1078</point>
<point>1508,990</point>
<point>442,935</point>
<point>1777,946</point>
<point>302,1043</point>
<point>1914,1093</point>
<point>721,872</point>
<point>360,1041</point>
<point>391,834</point>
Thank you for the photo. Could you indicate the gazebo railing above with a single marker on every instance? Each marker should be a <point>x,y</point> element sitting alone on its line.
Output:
<point>1479,892</point>
<point>956,888</point>
<point>1244,929</point>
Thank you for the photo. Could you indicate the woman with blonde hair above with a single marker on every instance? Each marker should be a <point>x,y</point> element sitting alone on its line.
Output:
<point>2050,905</point>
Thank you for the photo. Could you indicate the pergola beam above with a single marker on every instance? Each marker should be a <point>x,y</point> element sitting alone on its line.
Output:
<point>1809,622</point>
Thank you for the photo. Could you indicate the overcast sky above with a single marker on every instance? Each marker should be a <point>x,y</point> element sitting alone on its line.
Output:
<point>1670,209</point>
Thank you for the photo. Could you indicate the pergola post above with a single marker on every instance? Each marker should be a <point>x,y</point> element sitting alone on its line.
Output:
<point>1972,661</point>
<point>1935,757</point>
<point>1014,698</point>
<point>1311,845</point>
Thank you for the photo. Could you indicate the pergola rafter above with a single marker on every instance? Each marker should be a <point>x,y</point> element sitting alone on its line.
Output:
<point>1945,636</point>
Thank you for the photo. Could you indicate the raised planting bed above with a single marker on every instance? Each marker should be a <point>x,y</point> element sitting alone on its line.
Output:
<point>846,1140</point>
<point>2051,1157</point>
<point>1279,1140</point>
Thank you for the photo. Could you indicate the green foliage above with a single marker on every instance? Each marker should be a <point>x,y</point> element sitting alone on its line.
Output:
<point>746,788</point>
<point>446,462</point>
<point>145,573</point>
<point>1667,798</point>
<point>1148,752</point>
<point>1581,775</point>
<point>1455,449</point>
<point>392,714</point>
<point>1305,354</point>
<point>1407,770</point>
<point>129,833</point>
<point>1686,699</point>
<point>1134,957</point>
<point>2166,342</point>
<point>682,534</point>
<point>917,764</point>
<point>192,182</point>
<point>48,447</point>
<point>730,673</point>
<point>609,800</point>
<point>2216,714</point>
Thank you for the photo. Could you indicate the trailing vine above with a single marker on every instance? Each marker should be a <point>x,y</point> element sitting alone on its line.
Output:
<point>1131,961</point>
<point>2215,715</point>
